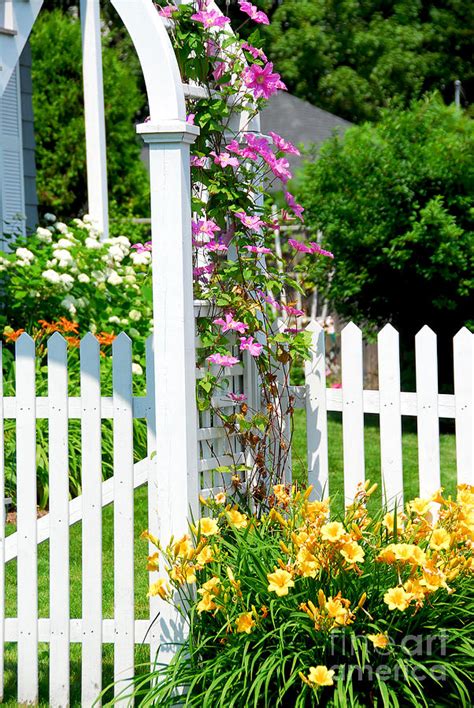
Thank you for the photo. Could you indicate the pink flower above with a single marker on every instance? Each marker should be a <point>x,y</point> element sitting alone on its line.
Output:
<point>202,272</point>
<point>204,227</point>
<point>293,311</point>
<point>167,11</point>
<point>284,145</point>
<point>257,249</point>
<point>214,246</point>
<point>316,248</point>
<point>222,359</point>
<point>336,385</point>
<point>231,325</point>
<point>279,167</point>
<point>210,18</point>
<point>261,81</point>
<point>234,146</point>
<point>237,397</point>
<point>269,299</point>
<point>250,222</point>
<point>141,247</point>
<point>299,246</point>
<point>296,208</point>
<point>254,52</point>
<point>219,71</point>
<point>225,159</point>
<point>190,118</point>
<point>258,144</point>
<point>198,161</point>
<point>254,13</point>
<point>253,348</point>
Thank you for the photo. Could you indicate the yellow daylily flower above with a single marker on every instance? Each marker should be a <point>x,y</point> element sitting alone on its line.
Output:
<point>205,556</point>
<point>245,622</point>
<point>237,519</point>
<point>397,599</point>
<point>333,532</point>
<point>207,526</point>
<point>206,603</point>
<point>279,582</point>
<point>159,588</point>
<point>380,641</point>
<point>352,553</point>
<point>320,676</point>
<point>440,539</point>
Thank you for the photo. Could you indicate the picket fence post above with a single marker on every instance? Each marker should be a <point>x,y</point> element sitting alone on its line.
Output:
<point>352,410</point>
<point>59,611</point>
<point>27,564</point>
<point>91,521</point>
<point>463,345</point>
<point>390,416</point>
<point>427,410</point>
<point>316,413</point>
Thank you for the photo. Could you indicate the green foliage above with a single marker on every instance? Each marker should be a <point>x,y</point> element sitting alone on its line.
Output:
<point>59,118</point>
<point>355,57</point>
<point>395,202</point>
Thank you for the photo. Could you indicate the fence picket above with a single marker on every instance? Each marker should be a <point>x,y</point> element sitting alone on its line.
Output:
<point>463,345</point>
<point>153,516</point>
<point>390,416</point>
<point>2,531</point>
<point>91,521</point>
<point>27,568</point>
<point>124,615</point>
<point>352,409</point>
<point>427,407</point>
<point>59,521</point>
<point>316,413</point>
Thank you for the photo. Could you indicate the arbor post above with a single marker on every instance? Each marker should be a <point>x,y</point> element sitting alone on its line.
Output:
<point>175,485</point>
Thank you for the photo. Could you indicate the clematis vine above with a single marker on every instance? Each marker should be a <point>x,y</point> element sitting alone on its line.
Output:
<point>230,325</point>
<point>254,13</point>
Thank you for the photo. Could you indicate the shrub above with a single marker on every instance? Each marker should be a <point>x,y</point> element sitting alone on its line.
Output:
<point>294,609</point>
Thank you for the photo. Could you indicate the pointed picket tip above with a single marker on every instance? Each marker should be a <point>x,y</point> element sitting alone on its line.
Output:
<point>55,341</point>
<point>425,333</point>
<point>25,343</point>
<point>351,330</point>
<point>464,335</point>
<point>388,330</point>
<point>121,340</point>
<point>90,343</point>
<point>314,326</point>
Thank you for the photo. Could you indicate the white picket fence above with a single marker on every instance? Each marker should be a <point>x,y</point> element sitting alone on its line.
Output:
<point>390,404</point>
<point>215,449</point>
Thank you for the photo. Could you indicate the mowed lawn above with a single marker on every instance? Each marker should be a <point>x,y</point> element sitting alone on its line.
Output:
<point>372,452</point>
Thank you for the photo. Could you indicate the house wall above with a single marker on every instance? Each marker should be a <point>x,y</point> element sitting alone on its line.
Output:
<point>28,133</point>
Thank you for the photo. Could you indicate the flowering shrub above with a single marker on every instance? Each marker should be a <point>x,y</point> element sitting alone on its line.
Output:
<point>66,270</point>
<point>294,608</point>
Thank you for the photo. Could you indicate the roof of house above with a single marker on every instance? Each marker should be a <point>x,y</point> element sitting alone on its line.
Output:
<point>300,122</point>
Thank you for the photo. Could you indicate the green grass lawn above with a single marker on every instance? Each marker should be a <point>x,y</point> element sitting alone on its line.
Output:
<point>372,450</point>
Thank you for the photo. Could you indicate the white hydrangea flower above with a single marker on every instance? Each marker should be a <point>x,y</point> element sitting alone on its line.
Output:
<point>43,234</point>
<point>135,315</point>
<point>143,258</point>
<point>25,255</point>
<point>114,319</point>
<point>137,369</point>
<point>79,223</point>
<point>130,279</point>
<point>69,304</point>
<point>50,217</point>
<point>63,256</point>
<point>83,278</point>
<point>61,227</point>
<point>64,243</point>
<point>117,253</point>
<point>122,241</point>
<point>114,278</point>
<point>67,280</point>
<point>92,243</point>
<point>98,276</point>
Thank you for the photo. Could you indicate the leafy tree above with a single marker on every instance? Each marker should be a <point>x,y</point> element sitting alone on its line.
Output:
<point>355,57</point>
<point>395,203</point>
<point>59,118</point>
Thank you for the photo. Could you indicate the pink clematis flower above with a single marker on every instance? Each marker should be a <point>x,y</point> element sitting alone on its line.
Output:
<point>222,359</point>
<point>269,299</point>
<point>190,118</point>
<point>297,209</point>
<point>254,13</point>
<point>167,11</point>
<point>202,272</point>
<point>234,146</point>
<point>249,344</point>
<point>141,247</point>
<point>284,145</point>
<point>204,227</point>
<point>279,167</point>
<point>258,249</point>
<point>261,81</point>
<point>231,325</point>
<point>293,311</point>
<point>299,246</point>
<point>225,159</point>
<point>260,145</point>
<point>210,18</point>
<point>254,52</point>
<point>237,397</point>
<point>198,161</point>
<point>316,248</point>
<point>250,222</point>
